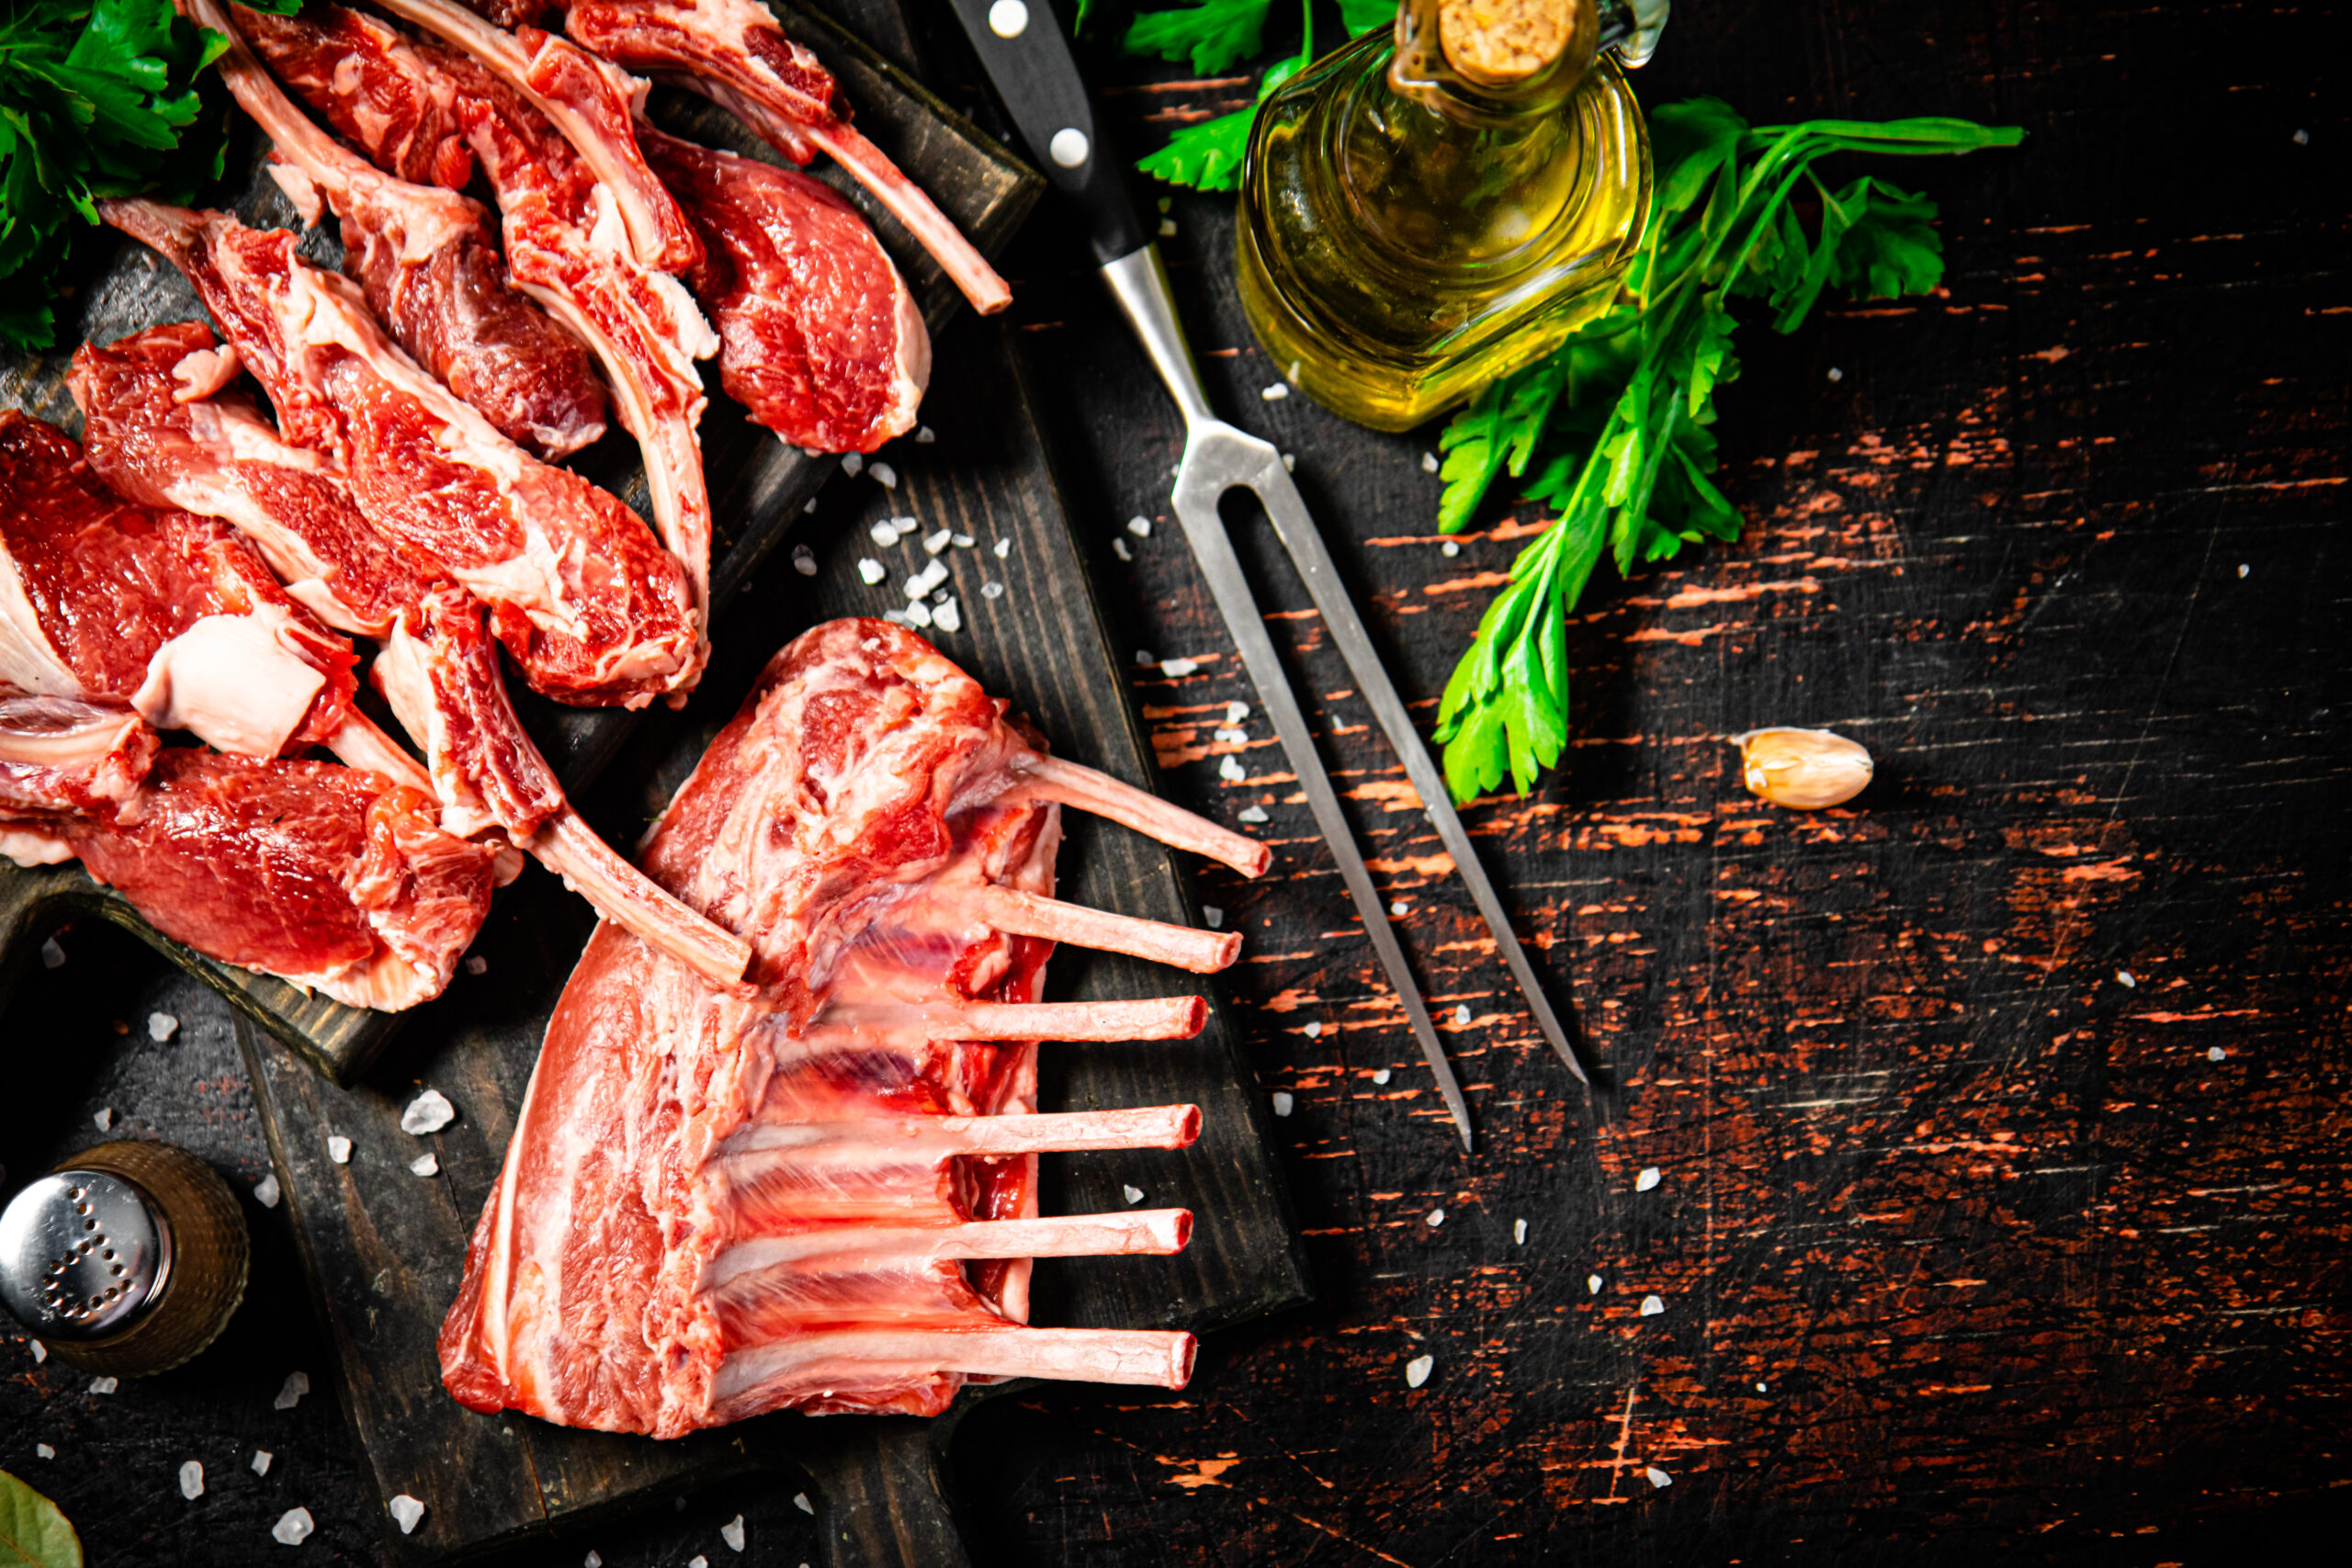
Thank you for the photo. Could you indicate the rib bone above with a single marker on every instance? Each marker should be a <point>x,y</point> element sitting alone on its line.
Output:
<point>1160,1018</point>
<point>1051,778</point>
<point>913,1138</point>
<point>867,1248</point>
<point>1026,914</point>
<point>1149,1358</point>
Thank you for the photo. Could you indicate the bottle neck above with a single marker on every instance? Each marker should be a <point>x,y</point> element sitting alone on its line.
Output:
<point>1486,69</point>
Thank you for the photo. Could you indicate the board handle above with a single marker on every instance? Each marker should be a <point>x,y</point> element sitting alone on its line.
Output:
<point>885,1501</point>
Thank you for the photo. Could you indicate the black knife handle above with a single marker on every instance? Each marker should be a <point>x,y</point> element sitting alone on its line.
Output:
<point>1022,48</point>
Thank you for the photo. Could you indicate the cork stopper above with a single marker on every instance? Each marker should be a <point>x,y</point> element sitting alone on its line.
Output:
<point>1499,43</point>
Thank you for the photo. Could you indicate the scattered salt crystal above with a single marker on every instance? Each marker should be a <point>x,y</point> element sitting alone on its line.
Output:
<point>1519,1232</point>
<point>925,437</point>
<point>297,1385</point>
<point>2125,977</point>
<point>1437,1218</point>
<point>1140,526</point>
<point>2217,1054</point>
<point>406,1511</point>
<point>339,1150</point>
<point>932,574</point>
<point>1119,548</point>
<point>934,543</point>
<point>2303,138</point>
<point>1276,392</point>
<point>801,1501</point>
<point>1836,374</point>
<point>1235,712</point>
<point>477,965</point>
<point>1658,1478</point>
<point>1003,547</point>
<point>902,526</point>
<point>1397,909</point>
<point>885,533</point>
<point>886,475</point>
<point>428,1112</point>
<point>962,541</point>
<point>1382,1077</point>
<point>1592,1284</point>
<point>425,1165</point>
<point>1418,1370</point>
<point>1177,668</point>
<point>1250,814</point>
<point>1229,768</point>
<point>992,589</point>
<point>261,1461</point>
<point>1289,463</point>
<point>191,1480</point>
<point>105,1118</point>
<point>804,561</point>
<point>41,1352</point>
<point>1283,1102</point>
<point>105,1385</point>
<point>1429,462</point>
<point>1168,228</point>
<point>161,1026</point>
<point>1759,1388</point>
<point>698,1560</point>
<point>1133,1194</point>
<point>266,1190</point>
<point>1314,1029</point>
<point>809,506</point>
<point>594,1560</point>
<point>869,570</point>
<point>1449,549</point>
<point>919,616</point>
<point>1647,1179</point>
<point>1462,1015</point>
<point>853,464</point>
<point>44,1450</point>
<point>1652,1306</point>
<point>2244,569</point>
<point>52,956</point>
<point>731,1532</point>
<point>896,617</point>
<point>1232,737</point>
<point>947,618</point>
<point>293,1528</point>
<point>1214,915</point>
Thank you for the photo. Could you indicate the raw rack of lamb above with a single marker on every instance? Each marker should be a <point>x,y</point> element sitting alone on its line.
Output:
<point>825,1198</point>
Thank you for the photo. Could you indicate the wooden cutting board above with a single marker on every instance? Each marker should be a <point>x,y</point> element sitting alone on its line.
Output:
<point>384,1248</point>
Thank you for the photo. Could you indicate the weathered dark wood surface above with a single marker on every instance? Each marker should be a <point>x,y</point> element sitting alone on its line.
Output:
<point>2026,1274</point>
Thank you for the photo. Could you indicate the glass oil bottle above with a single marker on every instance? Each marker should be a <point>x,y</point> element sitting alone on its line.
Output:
<point>1424,213</point>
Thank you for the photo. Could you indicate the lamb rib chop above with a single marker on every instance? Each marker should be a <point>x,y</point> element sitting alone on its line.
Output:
<point>733,53</point>
<point>818,337</point>
<point>826,1198</point>
<point>428,260</point>
<point>217,455</point>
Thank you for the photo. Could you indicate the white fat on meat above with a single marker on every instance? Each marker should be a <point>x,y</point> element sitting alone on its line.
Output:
<point>27,662</point>
<point>237,682</point>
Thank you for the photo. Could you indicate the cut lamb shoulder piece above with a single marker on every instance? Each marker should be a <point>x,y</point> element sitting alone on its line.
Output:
<point>818,337</point>
<point>590,606</point>
<point>404,102</point>
<point>219,456</point>
<point>428,261</point>
<point>733,53</point>
<point>63,758</point>
<point>715,1205</point>
<point>171,616</point>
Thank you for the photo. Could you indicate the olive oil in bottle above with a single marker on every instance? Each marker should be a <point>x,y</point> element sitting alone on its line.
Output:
<point>1423,213</point>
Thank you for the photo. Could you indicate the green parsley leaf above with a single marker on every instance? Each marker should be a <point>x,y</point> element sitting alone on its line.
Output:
<point>1360,16</point>
<point>1211,33</point>
<point>33,1534</point>
<point>1620,410</point>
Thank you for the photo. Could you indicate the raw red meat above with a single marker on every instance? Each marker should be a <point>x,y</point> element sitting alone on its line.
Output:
<point>825,1198</point>
<point>733,53</point>
<point>581,594</point>
<point>428,262</point>
<point>218,457</point>
<point>818,336</point>
<point>60,757</point>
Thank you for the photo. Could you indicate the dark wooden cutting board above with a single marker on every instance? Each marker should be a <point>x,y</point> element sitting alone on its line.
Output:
<point>384,1248</point>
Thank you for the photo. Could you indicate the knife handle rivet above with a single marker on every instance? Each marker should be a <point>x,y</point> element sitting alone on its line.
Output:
<point>1069,147</point>
<point>1008,18</point>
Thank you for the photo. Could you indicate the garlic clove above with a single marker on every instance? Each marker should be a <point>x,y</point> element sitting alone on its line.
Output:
<point>1804,769</point>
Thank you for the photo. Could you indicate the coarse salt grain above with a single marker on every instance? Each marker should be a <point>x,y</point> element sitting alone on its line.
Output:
<point>1836,374</point>
<point>2244,569</point>
<point>1436,1218</point>
<point>105,1119</point>
<point>1652,1306</point>
<point>932,544</point>
<point>105,1385</point>
<point>921,584</point>
<point>1418,1370</point>
<point>594,1560</point>
<point>804,561</point>
<point>161,1026</point>
<point>425,1165</point>
<point>261,1461</point>
<point>1283,1102</point>
<point>1235,712</point>
<point>52,956</point>
<point>1251,814</point>
<point>1519,1232</point>
<point>1592,1284</point>
<point>266,1190</point>
<point>1658,1478</point>
<point>293,1526</point>
<point>698,1560</point>
<point>963,541</point>
<point>1399,908</point>
<point>2217,1054</point>
<point>885,533</point>
<point>1212,915</point>
<point>1140,526</point>
<point>809,506</point>
<point>41,1352</point>
<point>925,437</point>
<point>1383,1075</point>
<point>1761,1388</point>
<point>1178,667</point>
<point>1168,228</point>
<point>731,1532</point>
<point>1229,768</point>
<point>992,589</point>
<point>428,1112</point>
<point>1131,1194</point>
<point>1003,547</point>
<point>1289,463</point>
<point>477,965</point>
<point>902,526</point>
<point>948,618</point>
<point>801,1501</point>
<point>1462,1015</point>
<point>853,464</point>
<point>1429,462</point>
<point>919,615</point>
<point>1276,392</point>
<point>191,1480</point>
<point>869,570</point>
<point>2303,138</point>
<point>1119,548</point>
<point>1647,1179</point>
<point>1232,737</point>
<point>1314,1029</point>
<point>406,1512</point>
<point>297,1385</point>
<point>44,1450</point>
<point>1144,657</point>
<point>339,1150</point>
<point>1449,549</point>
<point>886,475</point>
<point>2124,978</point>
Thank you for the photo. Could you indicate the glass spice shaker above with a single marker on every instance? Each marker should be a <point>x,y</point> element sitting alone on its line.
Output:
<point>125,1260</point>
<point>1424,213</point>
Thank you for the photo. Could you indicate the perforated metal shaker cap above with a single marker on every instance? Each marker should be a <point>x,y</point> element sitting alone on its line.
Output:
<point>84,1253</point>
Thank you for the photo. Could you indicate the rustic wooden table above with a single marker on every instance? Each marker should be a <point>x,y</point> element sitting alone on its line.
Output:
<point>2001,1209</point>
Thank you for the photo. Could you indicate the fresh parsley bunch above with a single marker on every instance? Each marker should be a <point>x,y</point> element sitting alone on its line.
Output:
<point>97,98</point>
<point>1619,412</point>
